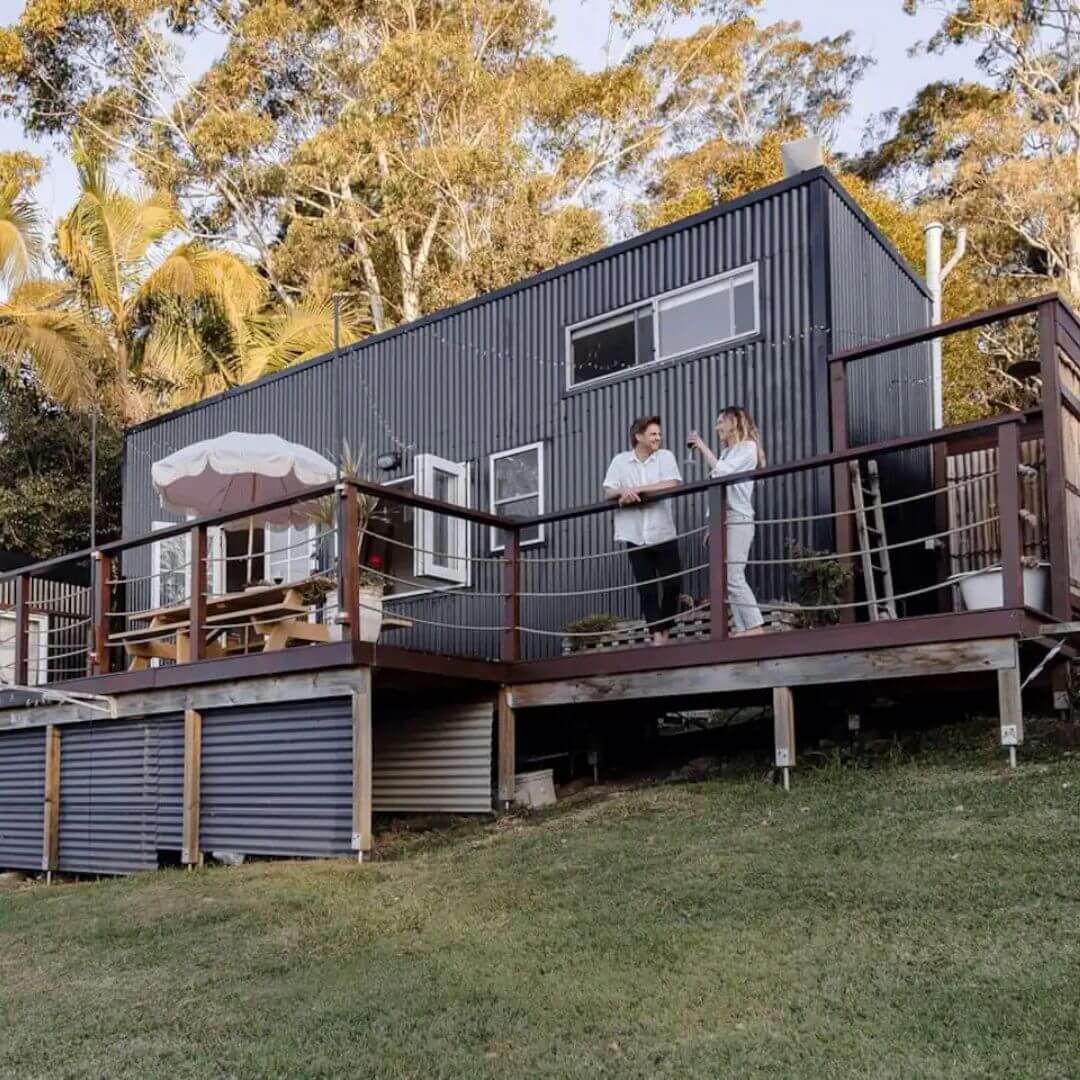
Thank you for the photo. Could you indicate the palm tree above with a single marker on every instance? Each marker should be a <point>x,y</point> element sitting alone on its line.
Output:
<point>132,323</point>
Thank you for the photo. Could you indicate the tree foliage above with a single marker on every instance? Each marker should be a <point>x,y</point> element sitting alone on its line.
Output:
<point>45,474</point>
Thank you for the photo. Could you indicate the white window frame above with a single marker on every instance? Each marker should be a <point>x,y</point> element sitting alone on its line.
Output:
<point>290,557</point>
<point>37,660</point>
<point>215,563</point>
<point>458,529</point>
<point>629,311</point>
<point>497,543</point>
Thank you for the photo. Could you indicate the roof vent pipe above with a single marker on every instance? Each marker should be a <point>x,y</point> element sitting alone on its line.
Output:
<point>935,282</point>
<point>801,154</point>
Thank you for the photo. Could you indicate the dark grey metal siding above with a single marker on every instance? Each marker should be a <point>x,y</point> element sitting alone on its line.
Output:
<point>277,780</point>
<point>873,296</point>
<point>22,799</point>
<point>169,732</point>
<point>490,376</point>
<point>108,797</point>
<point>433,760</point>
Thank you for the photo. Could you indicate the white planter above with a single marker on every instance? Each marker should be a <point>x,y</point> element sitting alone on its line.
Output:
<point>983,588</point>
<point>534,789</point>
<point>371,612</point>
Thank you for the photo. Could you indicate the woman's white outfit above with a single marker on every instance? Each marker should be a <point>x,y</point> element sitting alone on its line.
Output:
<point>741,457</point>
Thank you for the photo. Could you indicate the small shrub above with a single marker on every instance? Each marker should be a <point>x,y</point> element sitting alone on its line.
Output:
<point>819,584</point>
<point>596,626</point>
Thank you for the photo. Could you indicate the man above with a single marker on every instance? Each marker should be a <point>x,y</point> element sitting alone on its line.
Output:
<point>646,527</point>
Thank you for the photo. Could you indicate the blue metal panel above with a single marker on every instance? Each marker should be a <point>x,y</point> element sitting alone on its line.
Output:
<point>108,797</point>
<point>277,780</point>
<point>22,799</point>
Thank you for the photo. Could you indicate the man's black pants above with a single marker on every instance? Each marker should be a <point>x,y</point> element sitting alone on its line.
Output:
<point>659,599</point>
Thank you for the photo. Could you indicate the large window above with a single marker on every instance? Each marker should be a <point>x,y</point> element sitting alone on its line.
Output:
<point>517,489</point>
<point>170,565</point>
<point>36,649</point>
<point>680,323</point>
<point>290,553</point>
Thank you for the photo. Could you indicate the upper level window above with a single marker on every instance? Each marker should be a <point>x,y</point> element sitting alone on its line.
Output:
<point>517,489</point>
<point>700,316</point>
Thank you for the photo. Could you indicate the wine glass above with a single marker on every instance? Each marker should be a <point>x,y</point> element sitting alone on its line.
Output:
<point>691,443</point>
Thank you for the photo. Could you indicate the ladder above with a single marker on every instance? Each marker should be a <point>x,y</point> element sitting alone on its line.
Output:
<point>870,522</point>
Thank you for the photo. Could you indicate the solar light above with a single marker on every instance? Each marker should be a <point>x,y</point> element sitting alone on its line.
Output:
<point>389,461</point>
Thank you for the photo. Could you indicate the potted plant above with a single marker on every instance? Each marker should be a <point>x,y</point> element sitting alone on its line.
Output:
<point>371,604</point>
<point>820,584</point>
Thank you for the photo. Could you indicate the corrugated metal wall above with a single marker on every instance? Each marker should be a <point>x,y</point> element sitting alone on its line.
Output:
<point>277,780</point>
<point>108,797</point>
<point>872,296</point>
<point>169,732</point>
<point>22,795</point>
<point>490,376</point>
<point>433,760</point>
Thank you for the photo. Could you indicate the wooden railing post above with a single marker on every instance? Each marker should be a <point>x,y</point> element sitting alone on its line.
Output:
<point>511,635</point>
<point>349,560</point>
<point>21,675</point>
<point>1057,528</point>
<point>102,603</point>
<point>718,615</point>
<point>506,749</point>
<point>1008,499</point>
<point>844,526</point>
<point>197,600</point>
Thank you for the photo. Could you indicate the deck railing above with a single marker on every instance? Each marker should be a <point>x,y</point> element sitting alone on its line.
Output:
<point>524,591</point>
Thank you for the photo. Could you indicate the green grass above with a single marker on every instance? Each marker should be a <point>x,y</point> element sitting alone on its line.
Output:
<point>919,918</point>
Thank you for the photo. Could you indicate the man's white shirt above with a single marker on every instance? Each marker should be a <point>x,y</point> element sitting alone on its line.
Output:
<point>650,523</point>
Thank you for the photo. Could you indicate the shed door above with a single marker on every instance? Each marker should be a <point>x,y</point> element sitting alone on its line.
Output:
<point>443,542</point>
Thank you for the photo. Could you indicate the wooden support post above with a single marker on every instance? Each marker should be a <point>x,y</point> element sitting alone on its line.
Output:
<point>507,749</point>
<point>1011,710</point>
<point>511,636</point>
<point>21,675</point>
<point>197,632</point>
<point>362,839</point>
<point>102,606</point>
<point>784,730</point>
<point>1008,500</point>
<point>844,526</point>
<point>349,561</point>
<point>191,854</point>
<point>50,837</point>
<point>718,621</point>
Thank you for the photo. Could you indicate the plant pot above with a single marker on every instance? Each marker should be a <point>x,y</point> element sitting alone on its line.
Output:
<point>983,588</point>
<point>371,612</point>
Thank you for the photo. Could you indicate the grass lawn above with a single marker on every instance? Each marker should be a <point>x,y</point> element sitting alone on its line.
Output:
<point>919,918</point>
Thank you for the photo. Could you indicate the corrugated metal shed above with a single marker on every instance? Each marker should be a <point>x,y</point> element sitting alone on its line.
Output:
<point>489,375</point>
<point>277,780</point>
<point>434,760</point>
<point>169,732</point>
<point>22,795</point>
<point>108,797</point>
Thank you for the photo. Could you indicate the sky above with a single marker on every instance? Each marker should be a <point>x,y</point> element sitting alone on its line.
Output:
<point>881,29</point>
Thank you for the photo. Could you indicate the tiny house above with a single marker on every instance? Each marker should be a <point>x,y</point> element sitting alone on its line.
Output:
<point>516,401</point>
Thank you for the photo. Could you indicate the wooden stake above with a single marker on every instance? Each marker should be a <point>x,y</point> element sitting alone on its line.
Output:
<point>507,749</point>
<point>784,730</point>
<point>191,854</point>
<point>362,839</point>
<point>1010,708</point>
<point>50,839</point>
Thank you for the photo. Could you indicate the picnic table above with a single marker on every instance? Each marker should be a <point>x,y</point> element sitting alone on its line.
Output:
<point>276,614</point>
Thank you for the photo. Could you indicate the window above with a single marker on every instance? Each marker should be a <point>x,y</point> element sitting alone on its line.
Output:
<point>412,546</point>
<point>290,552</point>
<point>678,323</point>
<point>517,489</point>
<point>36,649</point>
<point>170,566</point>
<point>613,345</point>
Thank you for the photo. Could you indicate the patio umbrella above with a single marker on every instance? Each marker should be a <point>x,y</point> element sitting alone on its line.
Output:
<point>235,471</point>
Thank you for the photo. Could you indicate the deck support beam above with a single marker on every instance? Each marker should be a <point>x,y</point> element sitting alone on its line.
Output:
<point>50,835</point>
<point>507,749</point>
<point>784,731</point>
<point>191,853</point>
<point>1011,710</point>
<point>362,839</point>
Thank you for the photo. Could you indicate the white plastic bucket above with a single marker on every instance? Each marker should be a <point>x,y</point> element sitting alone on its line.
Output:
<point>983,588</point>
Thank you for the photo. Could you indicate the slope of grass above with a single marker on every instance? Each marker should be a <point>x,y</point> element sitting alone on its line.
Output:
<point>917,918</point>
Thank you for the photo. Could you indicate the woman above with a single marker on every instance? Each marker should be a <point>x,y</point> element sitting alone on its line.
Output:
<point>740,451</point>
